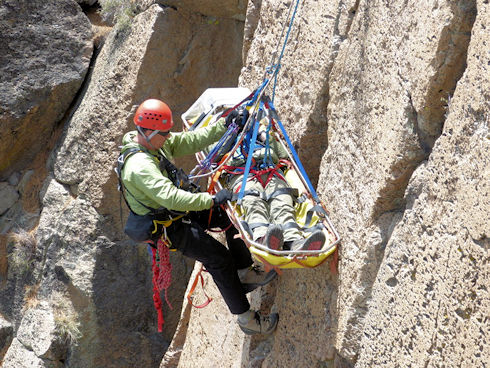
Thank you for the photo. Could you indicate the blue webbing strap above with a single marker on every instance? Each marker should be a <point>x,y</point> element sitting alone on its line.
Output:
<point>293,151</point>
<point>250,153</point>
<point>277,65</point>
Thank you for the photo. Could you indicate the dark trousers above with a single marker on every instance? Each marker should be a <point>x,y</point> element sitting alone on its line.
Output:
<point>189,237</point>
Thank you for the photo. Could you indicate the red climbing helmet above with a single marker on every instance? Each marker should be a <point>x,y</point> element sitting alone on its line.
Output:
<point>155,115</point>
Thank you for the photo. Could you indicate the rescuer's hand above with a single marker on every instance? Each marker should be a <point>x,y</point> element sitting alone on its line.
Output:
<point>222,197</point>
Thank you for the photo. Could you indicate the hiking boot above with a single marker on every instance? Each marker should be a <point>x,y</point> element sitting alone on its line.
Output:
<point>259,324</point>
<point>274,237</point>
<point>254,276</point>
<point>314,242</point>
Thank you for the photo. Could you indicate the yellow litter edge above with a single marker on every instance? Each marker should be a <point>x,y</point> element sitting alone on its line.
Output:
<point>288,261</point>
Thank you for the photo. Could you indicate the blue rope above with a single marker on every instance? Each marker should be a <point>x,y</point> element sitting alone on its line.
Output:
<point>250,155</point>
<point>295,155</point>
<point>267,156</point>
<point>275,67</point>
<point>257,92</point>
<point>206,163</point>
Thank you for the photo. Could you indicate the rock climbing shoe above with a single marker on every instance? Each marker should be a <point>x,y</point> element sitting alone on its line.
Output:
<point>254,276</point>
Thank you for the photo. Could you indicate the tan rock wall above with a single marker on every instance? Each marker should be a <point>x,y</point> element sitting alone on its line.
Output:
<point>430,300</point>
<point>384,114</point>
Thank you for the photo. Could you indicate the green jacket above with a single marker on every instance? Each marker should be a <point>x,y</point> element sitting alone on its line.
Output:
<point>143,179</point>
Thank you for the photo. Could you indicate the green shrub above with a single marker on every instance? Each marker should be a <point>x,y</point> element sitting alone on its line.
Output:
<point>118,12</point>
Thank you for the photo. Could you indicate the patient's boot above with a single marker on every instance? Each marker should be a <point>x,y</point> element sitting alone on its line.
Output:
<point>274,237</point>
<point>315,241</point>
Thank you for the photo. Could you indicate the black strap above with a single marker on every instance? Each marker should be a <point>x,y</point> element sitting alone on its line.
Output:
<point>291,191</point>
<point>121,161</point>
<point>247,228</point>
<point>309,215</point>
<point>255,225</point>
<point>176,175</point>
<point>290,225</point>
<point>318,226</point>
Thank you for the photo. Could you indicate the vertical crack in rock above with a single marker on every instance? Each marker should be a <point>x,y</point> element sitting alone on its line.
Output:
<point>251,24</point>
<point>183,62</point>
<point>74,105</point>
<point>391,197</point>
<point>450,61</point>
<point>449,64</point>
<point>352,13</point>
<point>314,142</point>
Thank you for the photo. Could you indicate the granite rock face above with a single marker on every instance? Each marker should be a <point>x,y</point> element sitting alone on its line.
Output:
<point>45,53</point>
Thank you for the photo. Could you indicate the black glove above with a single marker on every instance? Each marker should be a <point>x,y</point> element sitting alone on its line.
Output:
<point>238,116</point>
<point>221,197</point>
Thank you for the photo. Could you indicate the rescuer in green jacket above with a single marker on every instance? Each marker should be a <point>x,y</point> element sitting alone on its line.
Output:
<point>153,188</point>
